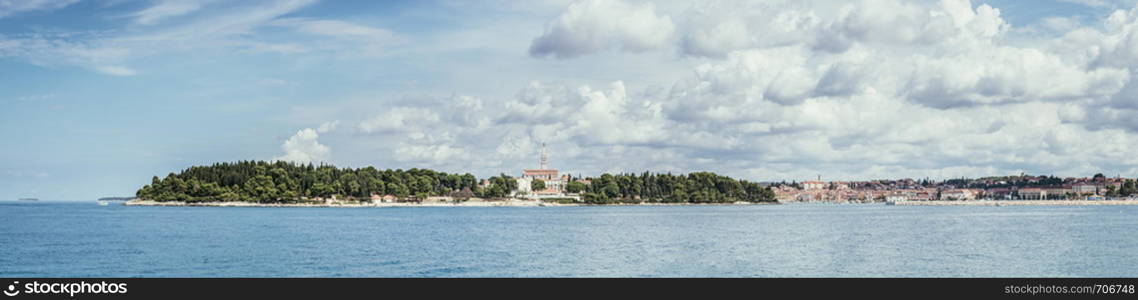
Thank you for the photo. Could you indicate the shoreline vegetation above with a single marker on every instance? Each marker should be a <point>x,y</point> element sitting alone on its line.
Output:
<point>260,183</point>
<point>499,203</point>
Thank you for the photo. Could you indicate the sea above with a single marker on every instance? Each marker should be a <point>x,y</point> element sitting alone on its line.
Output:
<point>83,239</point>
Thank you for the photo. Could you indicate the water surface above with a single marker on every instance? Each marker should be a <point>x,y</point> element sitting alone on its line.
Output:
<point>82,239</point>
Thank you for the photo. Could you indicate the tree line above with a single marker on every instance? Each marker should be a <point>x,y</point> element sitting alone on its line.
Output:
<point>699,187</point>
<point>285,182</point>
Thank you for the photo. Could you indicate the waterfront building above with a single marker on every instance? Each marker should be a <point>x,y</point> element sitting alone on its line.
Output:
<point>525,185</point>
<point>927,194</point>
<point>895,197</point>
<point>813,185</point>
<point>1084,189</point>
<point>1032,194</point>
<point>1057,193</point>
<point>554,182</point>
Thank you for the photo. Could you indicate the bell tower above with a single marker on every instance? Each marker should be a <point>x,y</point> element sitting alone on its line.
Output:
<point>544,158</point>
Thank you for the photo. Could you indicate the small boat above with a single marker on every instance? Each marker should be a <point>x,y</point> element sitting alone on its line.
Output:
<point>104,203</point>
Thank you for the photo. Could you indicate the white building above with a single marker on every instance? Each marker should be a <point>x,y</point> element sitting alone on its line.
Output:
<point>813,185</point>
<point>1084,189</point>
<point>554,182</point>
<point>524,184</point>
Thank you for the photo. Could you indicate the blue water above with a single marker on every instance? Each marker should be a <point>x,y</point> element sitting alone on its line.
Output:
<point>44,239</point>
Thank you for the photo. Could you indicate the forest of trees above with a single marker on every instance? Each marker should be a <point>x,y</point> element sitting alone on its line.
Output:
<point>699,187</point>
<point>283,182</point>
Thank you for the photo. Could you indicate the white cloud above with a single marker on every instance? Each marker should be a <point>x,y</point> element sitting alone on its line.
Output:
<point>924,90</point>
<point>1005,74</point>
<point>769,90</point>
<point>328,126</point>
<point>716,28</point>
<point>304,147</point>
<point>398,119</point>
<point>594,25</point>
<point>1117,46</point>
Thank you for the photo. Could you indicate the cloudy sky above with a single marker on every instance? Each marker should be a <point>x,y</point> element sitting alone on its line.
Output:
<point>97,96</point>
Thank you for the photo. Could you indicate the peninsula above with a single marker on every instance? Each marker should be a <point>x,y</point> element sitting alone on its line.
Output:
<point>260,183</point>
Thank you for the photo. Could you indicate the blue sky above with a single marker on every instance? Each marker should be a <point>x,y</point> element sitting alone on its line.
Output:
<point>97,96</point>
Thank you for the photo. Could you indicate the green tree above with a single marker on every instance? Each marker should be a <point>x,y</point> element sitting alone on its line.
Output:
<point>1128,188</point>
<point>575,187</point>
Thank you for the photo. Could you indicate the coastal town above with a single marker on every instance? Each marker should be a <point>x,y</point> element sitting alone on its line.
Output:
<point>1022,187</point>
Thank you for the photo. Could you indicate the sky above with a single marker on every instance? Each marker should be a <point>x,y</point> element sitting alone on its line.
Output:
<point>98,96</point>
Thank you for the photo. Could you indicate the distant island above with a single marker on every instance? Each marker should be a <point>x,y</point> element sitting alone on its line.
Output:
<point>261,183</point>
<point>28,199</point>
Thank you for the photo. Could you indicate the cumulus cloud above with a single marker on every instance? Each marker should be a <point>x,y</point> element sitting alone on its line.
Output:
<point>398,119</point>
<point>304,147</point>
<point>584,115</point>
<point>871,89</point>
<point>715,28</point>
<point>593,25</point>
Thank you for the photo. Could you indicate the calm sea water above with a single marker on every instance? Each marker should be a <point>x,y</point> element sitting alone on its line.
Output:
<point>44,239</point>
